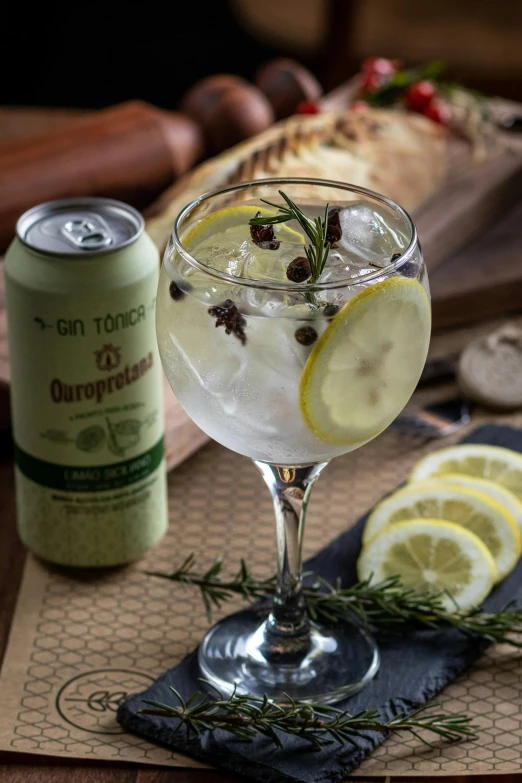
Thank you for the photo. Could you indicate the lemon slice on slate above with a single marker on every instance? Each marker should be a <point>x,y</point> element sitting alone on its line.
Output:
<point>431,555</point>
<point>484,517</point>
<point>493,463</point>
<point>494,491</point>
<point>365,366</point>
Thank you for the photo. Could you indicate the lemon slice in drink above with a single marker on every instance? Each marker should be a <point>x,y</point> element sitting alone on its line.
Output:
<point>365,366</point>
<point>222,240</point>
<point>496,492</point>
<point>431,555</point>
<point>473,510</point>
<point>496,464</point>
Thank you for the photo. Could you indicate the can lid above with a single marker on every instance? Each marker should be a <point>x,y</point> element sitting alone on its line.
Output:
<point>81,227</point>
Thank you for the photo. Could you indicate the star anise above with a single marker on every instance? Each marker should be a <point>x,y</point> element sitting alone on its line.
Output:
<point>228,315</point>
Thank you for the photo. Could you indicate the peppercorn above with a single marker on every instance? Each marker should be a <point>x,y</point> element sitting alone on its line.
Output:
<point>306,335</point>
<point>175,291</point>
<point>299,270</point>
<point>330,310</point>
<point>408,269</point>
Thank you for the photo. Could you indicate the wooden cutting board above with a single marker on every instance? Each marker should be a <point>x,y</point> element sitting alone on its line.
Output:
<point>482,279</point>
<point>478,188</point>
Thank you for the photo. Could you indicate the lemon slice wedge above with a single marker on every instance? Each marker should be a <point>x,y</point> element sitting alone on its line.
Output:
<point>431,555</point>
<point>365,366</point>
<point>493,463</point>
<point>484,517</point>
<point>235,217</point>
<point>222,240</point>
<point>494,491</point>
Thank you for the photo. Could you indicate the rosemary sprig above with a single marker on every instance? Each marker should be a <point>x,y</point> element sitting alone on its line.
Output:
<point>214,589</point>
<point>385,606</point>
<point>315,229</point>
<point>246,716</point>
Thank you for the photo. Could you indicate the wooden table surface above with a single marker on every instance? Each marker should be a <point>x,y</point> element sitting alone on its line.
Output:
<point>25,768</point>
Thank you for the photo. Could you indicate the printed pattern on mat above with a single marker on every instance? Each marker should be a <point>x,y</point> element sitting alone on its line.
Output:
<point>491,693</point>
<point>92,648</point>
<point>99,637</point>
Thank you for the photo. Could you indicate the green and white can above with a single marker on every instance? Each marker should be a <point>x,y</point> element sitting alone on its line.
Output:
<point>86,383</point>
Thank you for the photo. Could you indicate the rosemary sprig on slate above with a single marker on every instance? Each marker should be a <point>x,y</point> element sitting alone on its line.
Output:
<point>315,229</point>
<point>385,606</point>
<point>248,716</point>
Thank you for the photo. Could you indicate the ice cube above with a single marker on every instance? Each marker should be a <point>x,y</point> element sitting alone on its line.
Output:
<point>371,235</point>
<point>270,265</point>
<point>275,351</point>
<point>229,258</point>
<point>243,258</point>
<point>341,267</point>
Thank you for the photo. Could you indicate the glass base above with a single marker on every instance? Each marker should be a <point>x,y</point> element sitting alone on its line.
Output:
<point>336,660</point>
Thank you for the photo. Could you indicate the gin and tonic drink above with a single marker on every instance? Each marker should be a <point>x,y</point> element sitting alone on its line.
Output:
<point>293,323</point>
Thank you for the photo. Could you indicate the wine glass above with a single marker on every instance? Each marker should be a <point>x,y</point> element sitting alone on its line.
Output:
<point>292,372</point>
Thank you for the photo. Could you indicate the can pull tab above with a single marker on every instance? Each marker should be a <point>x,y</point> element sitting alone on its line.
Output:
<point>86,234</point>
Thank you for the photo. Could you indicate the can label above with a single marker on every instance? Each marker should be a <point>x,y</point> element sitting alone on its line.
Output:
<point>88,423</point>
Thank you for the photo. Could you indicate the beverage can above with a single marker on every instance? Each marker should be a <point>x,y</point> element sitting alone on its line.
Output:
<point>86,383</point>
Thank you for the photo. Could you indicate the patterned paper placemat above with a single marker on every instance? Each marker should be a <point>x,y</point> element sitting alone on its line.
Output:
<point>81,642</point>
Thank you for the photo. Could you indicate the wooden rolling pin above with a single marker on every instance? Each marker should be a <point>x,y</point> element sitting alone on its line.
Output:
<point>132,152</point>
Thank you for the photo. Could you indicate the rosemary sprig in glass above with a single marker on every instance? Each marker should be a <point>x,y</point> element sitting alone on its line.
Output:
<point>385,606</point>
<point>318,724</point>
<point>315,229</point>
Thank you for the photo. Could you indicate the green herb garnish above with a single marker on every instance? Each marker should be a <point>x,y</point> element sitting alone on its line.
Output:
<point>391,91</point>
<point>315,229</point>
<point>386,606</point>
<point>246,717</point>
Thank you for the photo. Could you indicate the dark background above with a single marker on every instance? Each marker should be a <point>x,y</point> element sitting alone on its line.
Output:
<point>92,55</point>
<point>95,54</point>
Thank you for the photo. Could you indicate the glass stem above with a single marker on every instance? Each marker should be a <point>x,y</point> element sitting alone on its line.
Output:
<point>287,629</point>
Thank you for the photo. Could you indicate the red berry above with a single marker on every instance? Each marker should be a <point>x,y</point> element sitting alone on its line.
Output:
<point>380,65</point>
<point>308,107</point>
<point>358,106</point>
<point>438,111</point>
<point>377,72</point>
<point>372,82</point>
<point>419,95</point>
